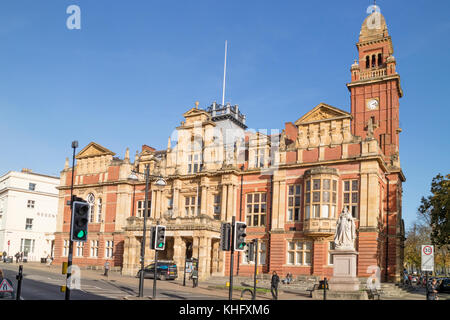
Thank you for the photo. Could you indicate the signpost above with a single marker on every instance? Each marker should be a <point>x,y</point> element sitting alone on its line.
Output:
<point>428,258</point>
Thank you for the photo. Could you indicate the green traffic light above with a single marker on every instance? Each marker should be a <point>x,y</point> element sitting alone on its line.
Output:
<point>80,234</point>
<point>160,245</point>
<point>241,245</point>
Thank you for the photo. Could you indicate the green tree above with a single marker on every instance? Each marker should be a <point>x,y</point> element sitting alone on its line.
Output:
<point>416,236</point>
<point>435,211</point>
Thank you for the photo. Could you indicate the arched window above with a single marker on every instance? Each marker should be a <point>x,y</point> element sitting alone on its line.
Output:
<point>99,210</point>
<point>380,59</point>
<point>374,61</point>
<point>367,62</point>
<point>91,202</point>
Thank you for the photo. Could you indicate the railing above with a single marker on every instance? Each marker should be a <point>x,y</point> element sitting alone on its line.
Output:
<point>218,110</point>
<point>373,74</point>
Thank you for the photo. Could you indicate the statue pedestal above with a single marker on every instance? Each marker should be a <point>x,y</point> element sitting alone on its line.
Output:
<point>344,271</point>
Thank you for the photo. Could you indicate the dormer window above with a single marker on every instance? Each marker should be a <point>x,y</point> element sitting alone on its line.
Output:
<point>195,163</point>
<point>259,158</point>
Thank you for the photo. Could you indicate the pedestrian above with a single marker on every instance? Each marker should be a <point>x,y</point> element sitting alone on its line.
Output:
<point>4,256</point>
<point>49,261</point>
<point>274,285</point>
<point>194,277</point>
<point>21,256</point>
<point>17,256</point>
<point>107,266</point>
<point>432,290</point>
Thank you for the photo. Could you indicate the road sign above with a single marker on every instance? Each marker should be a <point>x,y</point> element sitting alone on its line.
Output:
<point>5,286</point>
<point>427,258</point>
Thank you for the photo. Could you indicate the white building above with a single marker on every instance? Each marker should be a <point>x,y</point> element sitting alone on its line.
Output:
<point>28,210</point>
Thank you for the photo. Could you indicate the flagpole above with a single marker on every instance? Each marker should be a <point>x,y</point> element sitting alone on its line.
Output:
<point>224,73</point>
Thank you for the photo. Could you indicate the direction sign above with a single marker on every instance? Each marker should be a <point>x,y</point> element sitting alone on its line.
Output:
<point>427,258</point>
<point>5,286</point>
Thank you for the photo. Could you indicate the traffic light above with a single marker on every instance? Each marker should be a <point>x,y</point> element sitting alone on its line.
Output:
<point>250,252</point>
<point>160,238</point>
<point>239,236</point>
<point>152,237</point>
<point>80,219</point>
<point>225,236</point>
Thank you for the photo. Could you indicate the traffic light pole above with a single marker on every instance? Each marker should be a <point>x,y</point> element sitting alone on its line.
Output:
<point>156,264</point>
<point>230,293</point>
<point>69,259</point>
<point>141,274</point>
<point>256,268</point>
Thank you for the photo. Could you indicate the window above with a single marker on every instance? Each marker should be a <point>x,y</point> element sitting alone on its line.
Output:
<point>94,248</point>
<point>256,209</point>
<point>294,196</point>
<point>374,61</point>
<point>331,246</point>
<point>351,196</point>
<point>27,246</point>
<point>91,202</point>
<point>261,254</point>
<point>299,253</point>
<point>321,201</point>
<point>259,158</point>
<point>141,209</point>
<point>194,163</point>
<point>367,62</point>
<point>30,204</point>
<point>217,199</point>
<point>99,210</point>
<point>79,249</point>
<point>189,205</point>
<point>32,186</point>
<point>109,247</point>
<point>65,248</point>
<point>380,59</point>
<point>29,224</point>
<point>169,203</point>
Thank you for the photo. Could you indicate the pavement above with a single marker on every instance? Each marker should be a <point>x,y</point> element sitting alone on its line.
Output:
<point>43,282</point>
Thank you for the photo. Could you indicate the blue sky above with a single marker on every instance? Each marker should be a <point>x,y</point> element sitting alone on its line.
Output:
<point>135,66</point>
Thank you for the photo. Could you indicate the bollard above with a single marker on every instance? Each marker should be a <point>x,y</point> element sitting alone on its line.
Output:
<point>325,288</point>
<point>19,278</point>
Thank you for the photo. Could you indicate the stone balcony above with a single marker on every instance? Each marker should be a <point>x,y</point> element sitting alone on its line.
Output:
<point>320,227</point>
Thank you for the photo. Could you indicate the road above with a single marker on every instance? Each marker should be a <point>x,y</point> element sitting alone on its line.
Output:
<point>45,285</point>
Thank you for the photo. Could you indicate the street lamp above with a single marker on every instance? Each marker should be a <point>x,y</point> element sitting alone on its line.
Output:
<point>159,182</point>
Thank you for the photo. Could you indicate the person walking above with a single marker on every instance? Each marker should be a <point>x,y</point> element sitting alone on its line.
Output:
<point>274,285</point>
<point>107,266</point>
<point>21,256</point>
<point>194,277</point>
<point>17,256</point>
<point>432,290</point>
<point>4,256</point>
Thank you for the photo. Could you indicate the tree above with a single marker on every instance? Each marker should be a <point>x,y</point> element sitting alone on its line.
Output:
<point>435,211</point>
<point>416,236</point>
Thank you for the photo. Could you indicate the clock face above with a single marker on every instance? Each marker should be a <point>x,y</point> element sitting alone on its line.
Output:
<point>372,104</point>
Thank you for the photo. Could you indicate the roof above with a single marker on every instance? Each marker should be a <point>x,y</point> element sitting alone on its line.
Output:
<point>94,150</point>
<point>374,27</point>
<point>323,112</point>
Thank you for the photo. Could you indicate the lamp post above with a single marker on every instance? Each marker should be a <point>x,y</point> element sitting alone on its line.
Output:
<point>159,182</point>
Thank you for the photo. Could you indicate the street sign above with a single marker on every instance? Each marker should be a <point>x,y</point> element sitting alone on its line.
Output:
<point>5,286</point>
<point>427,258</point>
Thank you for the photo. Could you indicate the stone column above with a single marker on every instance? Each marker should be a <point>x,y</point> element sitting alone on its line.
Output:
<point>203,208</point>
<point>229,203</point>
<point>203,272</point>
<point>223,205</point>
<point>179,250</point>
<point>275,204</point>
<point>176,208</point>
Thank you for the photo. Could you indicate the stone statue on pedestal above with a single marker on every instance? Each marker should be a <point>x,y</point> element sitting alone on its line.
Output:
<point>345,236</point>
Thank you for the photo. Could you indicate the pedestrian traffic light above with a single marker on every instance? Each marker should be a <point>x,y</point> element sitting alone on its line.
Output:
<point>80,219</point>
<point>239,236</point>
<point>152,237</point>
<point>160,238</point>
<point>225,236</point>
<point>250,252</point>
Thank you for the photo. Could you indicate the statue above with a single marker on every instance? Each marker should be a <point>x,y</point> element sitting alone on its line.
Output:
<point>345,231</point>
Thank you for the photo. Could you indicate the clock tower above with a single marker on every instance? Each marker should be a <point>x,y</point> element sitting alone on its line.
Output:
<point>375,88</point>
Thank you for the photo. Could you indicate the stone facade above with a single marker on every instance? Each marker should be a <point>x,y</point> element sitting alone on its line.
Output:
<point>288,187</point>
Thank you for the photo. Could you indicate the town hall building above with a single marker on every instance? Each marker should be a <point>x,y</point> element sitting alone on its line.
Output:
<point>289,187</point>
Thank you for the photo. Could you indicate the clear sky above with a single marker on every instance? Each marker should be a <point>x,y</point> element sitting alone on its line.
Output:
<point>136,66</point>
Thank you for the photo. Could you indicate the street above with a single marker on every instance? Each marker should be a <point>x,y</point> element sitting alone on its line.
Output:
<point>42,284</point>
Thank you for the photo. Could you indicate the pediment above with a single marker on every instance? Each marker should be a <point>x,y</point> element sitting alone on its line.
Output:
<point>195,112</point>
<point>94,150</point>
<point>323,112</point>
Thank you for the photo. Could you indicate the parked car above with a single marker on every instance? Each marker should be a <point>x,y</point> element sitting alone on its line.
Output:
<point>445,285</point>
<point>165,271</point>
